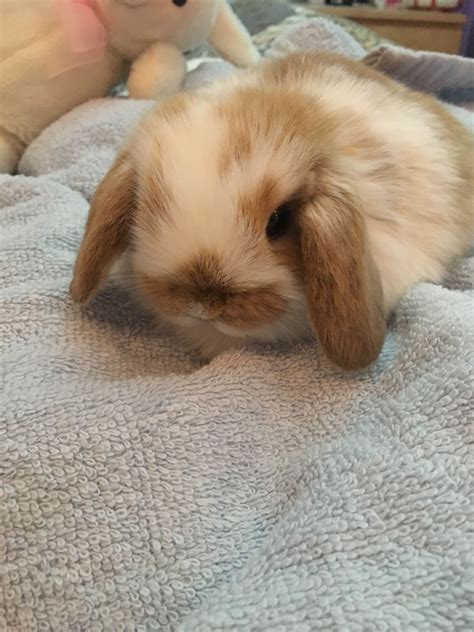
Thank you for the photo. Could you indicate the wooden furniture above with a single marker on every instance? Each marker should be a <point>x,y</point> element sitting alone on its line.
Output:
<point>422,30</point>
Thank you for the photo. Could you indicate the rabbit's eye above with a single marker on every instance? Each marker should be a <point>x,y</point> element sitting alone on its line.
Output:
<point>279,221</point>
<point>179,3</point>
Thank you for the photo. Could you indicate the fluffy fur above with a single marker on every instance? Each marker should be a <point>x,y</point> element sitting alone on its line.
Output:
<point>376,182</point>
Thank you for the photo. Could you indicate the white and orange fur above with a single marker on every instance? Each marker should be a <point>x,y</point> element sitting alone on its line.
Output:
<point>374,182</point>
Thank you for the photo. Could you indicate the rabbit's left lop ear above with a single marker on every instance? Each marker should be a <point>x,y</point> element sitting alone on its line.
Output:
<point>107,229</point>
<point>343,287</point>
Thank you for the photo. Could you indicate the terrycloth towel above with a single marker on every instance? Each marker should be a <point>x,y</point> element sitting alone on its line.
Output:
<point>141,490</point>
<point>316,33</point>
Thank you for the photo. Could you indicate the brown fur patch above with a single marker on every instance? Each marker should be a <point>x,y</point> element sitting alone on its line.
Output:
<point>160,294</point>
<point>236,151</point>
<point>257,205</point>
<point>254,117</point>
<point>201,282</point>
<point>107,229</point>
<point>343,287</point>
<point>155,202</point>
<point>252,309</point>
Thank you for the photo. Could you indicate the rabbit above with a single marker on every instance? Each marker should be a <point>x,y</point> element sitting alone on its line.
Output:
<point>299,199</point>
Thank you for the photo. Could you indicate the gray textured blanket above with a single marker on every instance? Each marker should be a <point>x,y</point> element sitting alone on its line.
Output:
<point>141,490</point>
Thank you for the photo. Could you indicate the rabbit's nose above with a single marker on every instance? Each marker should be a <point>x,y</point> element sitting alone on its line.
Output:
<point>209,287</point>
<point>199,311</point>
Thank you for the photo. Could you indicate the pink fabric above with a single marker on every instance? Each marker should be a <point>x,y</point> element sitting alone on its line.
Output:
<point>85,31</point>
<point>86,34</point>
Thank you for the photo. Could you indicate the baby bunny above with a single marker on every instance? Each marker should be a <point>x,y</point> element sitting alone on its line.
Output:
<point>304,196</point>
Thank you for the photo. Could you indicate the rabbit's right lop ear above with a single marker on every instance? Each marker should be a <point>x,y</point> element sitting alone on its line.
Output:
<point>107,229</point>
<point>343,288</point>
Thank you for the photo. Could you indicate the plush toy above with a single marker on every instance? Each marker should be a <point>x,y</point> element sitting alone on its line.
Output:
<point>57,54</point>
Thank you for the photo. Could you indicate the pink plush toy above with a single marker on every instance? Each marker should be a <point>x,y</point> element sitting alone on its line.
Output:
<point>57,54</point>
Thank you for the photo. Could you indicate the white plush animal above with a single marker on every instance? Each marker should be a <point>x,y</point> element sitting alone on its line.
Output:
<point>57,54</point>
<point>307,195</point>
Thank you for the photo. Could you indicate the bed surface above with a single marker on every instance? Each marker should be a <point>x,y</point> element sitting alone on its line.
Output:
<point>143,490</point>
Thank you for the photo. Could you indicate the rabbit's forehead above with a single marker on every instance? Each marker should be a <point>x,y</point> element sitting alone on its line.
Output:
<point>216,166</point>
<point>209,178</point>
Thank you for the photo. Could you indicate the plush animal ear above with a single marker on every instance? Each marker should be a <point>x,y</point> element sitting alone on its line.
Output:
<point>231,39</point>
<point>343,288</point>
<point>106,234</point>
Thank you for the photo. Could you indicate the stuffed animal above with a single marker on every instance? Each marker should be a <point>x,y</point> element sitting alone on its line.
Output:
<point>57,54</point>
